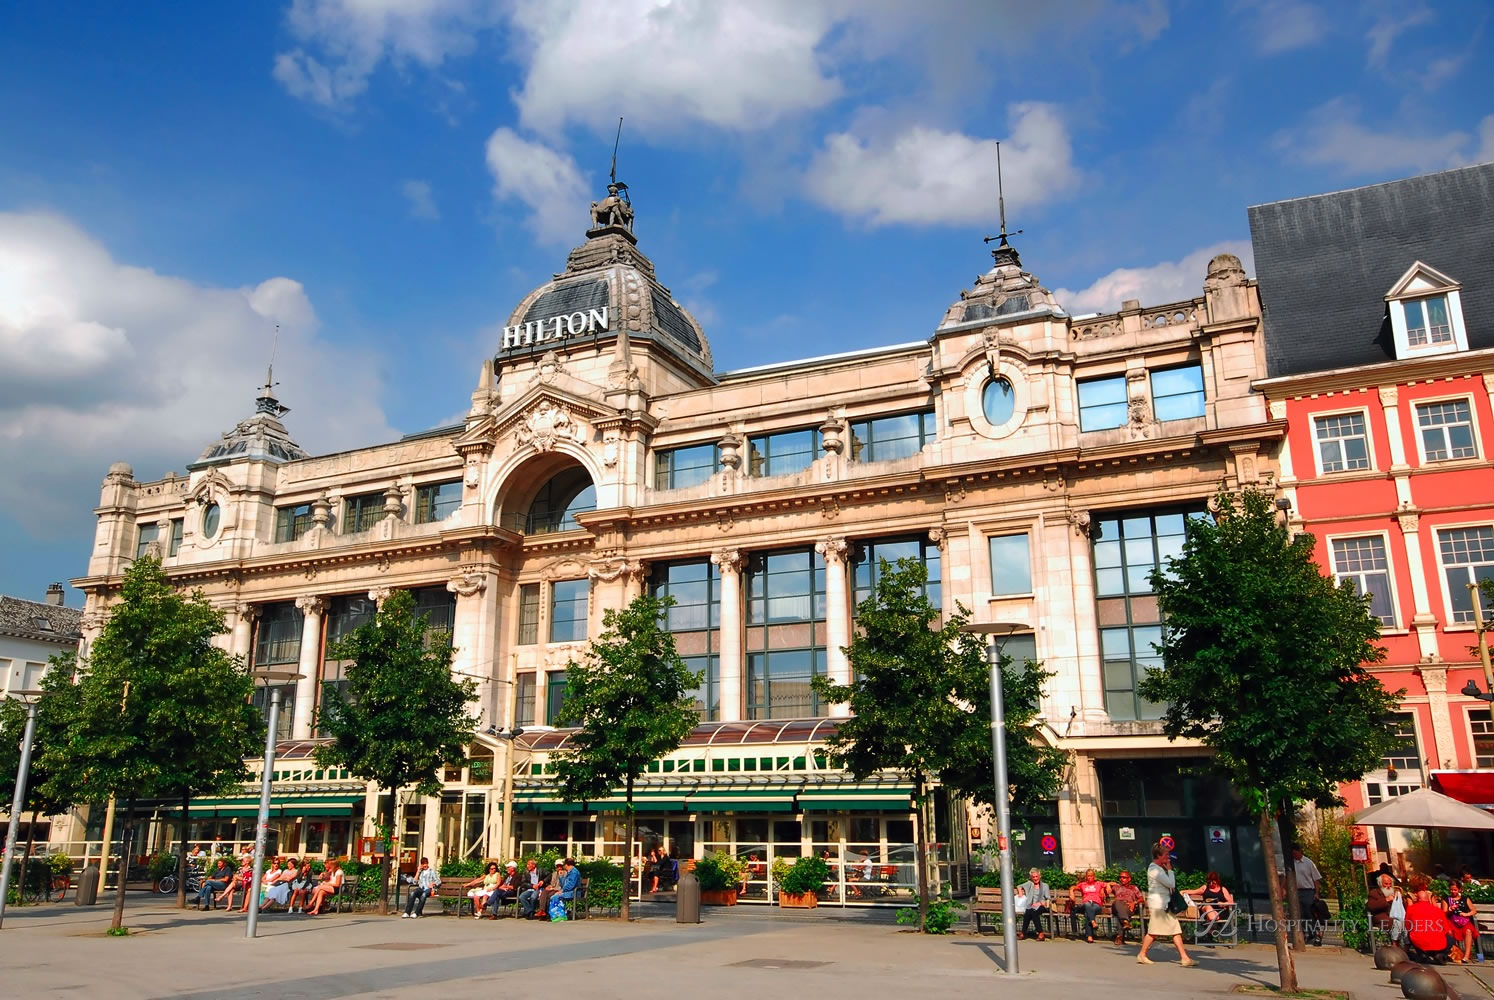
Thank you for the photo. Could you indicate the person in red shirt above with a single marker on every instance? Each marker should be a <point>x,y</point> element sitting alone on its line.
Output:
<point>1088,896</point>
<point>1426,924</point>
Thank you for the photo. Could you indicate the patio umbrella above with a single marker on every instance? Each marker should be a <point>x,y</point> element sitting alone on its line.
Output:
<point>1427,810</point>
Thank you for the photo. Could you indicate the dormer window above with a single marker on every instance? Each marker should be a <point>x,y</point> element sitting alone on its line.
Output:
<point>1426,313</point>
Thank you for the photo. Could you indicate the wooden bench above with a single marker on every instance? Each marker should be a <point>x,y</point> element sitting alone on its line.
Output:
<point>987,904</point>
<point>457,890</point>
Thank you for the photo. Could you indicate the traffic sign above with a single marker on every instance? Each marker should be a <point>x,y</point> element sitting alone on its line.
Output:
<point>1050,843</point>
<point>1218,835</point>
<point>1168,843</point>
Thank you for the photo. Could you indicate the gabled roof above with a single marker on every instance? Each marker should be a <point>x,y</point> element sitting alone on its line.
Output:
<point>1325,263</point>
<point>1421,272</point>
<point>24,618</point>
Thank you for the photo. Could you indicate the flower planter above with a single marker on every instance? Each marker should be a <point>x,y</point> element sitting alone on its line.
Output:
<point>803,900</point>
<point>719,897</point>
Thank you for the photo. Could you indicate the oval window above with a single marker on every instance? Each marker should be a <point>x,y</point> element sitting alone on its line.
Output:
<point>210,515</point>
<point>998,401</point>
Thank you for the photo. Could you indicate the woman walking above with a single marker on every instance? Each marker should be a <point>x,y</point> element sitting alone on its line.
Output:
<point>1161,922</point>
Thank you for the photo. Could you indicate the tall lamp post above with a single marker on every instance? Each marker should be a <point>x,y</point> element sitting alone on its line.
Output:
<point>998,633</point>
<point>22,771</point>
<point>273,679</point>
<point>1479,628</point>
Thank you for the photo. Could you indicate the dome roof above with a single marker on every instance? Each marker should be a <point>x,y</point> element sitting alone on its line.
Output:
<point>261,437</point>
<point>605,276</point>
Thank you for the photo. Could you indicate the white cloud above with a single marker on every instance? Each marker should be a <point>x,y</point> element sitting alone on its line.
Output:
<point>1332,136</point>
<point>665,65</point>
<point>923,175</point>
<point>422,202</point>
<point>1383,33</point>
<point>101,362</point>
<point>1169,281</point>
<point>546,181</point>
<point>351,38</point>
<point>1285,25</point>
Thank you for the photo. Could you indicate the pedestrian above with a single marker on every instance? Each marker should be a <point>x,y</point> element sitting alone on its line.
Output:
<point>426,882</point>
<point>1306,878</point>
<point>1161,921</point>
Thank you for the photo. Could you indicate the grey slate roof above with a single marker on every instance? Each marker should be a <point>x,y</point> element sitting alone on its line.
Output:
<point>20,617</point>
<point>1324,264</point>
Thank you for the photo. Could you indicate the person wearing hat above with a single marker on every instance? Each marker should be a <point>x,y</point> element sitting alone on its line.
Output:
<point>508,889</point>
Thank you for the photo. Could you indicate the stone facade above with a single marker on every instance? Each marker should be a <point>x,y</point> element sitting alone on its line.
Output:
<point>574,474</point>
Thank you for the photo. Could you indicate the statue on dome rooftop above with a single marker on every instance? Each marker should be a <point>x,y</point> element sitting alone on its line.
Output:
<point>613,210</point>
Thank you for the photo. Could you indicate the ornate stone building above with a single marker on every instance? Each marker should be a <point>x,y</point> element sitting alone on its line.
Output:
<point>1040,465</point>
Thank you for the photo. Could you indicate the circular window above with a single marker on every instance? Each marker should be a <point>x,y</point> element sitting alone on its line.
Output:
<point>210,516</point>
<point>998,401</point>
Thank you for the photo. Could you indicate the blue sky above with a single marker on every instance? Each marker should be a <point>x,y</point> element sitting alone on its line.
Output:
<point>386,178</point>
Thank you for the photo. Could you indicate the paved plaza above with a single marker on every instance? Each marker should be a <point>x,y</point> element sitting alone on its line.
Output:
<point>63,952</point>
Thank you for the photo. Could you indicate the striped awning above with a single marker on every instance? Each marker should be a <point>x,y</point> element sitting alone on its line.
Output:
<point>856,797</point>
<point>742,800</point>
<point>280,806</point>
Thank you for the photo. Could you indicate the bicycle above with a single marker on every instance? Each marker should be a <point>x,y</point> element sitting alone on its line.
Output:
<point>49,890</point>
<point>167,885</point>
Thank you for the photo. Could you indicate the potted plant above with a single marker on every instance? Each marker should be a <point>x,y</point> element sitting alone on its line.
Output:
<point>720,878</point>
<point>801,883</point>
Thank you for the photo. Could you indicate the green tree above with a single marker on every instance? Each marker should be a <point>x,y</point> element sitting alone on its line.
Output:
<point>12,733</point>
<point>1264,662</point>
<point>631,700</point>
<point>921,705</point>
<point>404,716</point>
<point>153,687</point>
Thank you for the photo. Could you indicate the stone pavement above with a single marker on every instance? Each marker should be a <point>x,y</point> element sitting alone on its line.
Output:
<point>61,951</point>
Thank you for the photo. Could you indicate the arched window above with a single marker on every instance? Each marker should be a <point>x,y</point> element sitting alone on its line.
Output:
<point>558,502</point>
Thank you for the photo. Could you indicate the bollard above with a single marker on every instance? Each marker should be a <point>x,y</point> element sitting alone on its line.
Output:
<point>88,887</point>
<point>687,899</point>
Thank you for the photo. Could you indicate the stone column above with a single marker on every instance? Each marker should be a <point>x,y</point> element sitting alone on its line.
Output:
<point>837,613</point>
<point>1423,621</point>
<point>1442,752</point>
<point>1399,467</point>
<point>245,615</point>
<point>732,661</point>
<point>474,634</point>
<point>379,595</point>
<point>309,666</point>
<point>1079,817</point>
<point>1084,641</point>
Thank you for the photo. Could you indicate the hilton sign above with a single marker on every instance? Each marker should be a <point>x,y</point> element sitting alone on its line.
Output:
<point>538,331</point>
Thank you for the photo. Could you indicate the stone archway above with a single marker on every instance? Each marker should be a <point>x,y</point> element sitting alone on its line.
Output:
<point>544,495</point>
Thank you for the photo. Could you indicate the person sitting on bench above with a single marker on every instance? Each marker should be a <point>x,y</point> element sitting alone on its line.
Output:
<point>507,890</point>
<point>1039,899</point>
<point>1214,904</point>
<point>1427,931</point>
<point>1130,902</point>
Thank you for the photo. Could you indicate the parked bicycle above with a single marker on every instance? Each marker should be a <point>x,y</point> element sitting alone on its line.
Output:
<point>51,889</point>
<point>167,885</point>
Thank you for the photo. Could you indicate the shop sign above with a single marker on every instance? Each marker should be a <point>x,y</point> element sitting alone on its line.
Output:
<point>1218,835</point>
<point>1020,836</point>
<point>1126,833</point>
<point>540,331</point>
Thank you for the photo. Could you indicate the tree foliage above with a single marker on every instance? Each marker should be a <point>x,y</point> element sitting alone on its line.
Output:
<point>13,730</point>
<point>921,703</point>
<point>1264,662</point>
<point>404,716</point>
<point>156,710</point>
<point>631,699</point>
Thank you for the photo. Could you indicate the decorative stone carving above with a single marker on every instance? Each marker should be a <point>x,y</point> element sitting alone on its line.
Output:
<point>311,604</point>
<point>731,452</point>
<point>835,549</point>
<point>379,595</point>
<point>473,477</point>
<point>608,569</point>
<point>830,509</point>
<point>831,434</point>
<point>1081,521</point>
<point>610,449</point>
<point>321,510</point>
<point>1410,521</point>
<point>246,612</point>
<point>939,537</point>
<point>392,497</point>
<point>468,582</point>
<point>728,560</point>
<point>1140,412</point>
<point>550,368</point>
<point>1389,394</point>
<point>310,572</point>
<point>613,210</point>
<point>92,620</point>
<point>547,424</point>
<point>564,569</point>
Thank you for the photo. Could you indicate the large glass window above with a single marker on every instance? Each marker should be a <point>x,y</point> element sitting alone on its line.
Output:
<point>146,534</point>
<point>1011,564</point>
<point>1467,557</point>
<point>362,512</point>
<point>695,620</point>
<point>785,633</point>
<point>178,531</point>
<point>680,467</point>
<point>1446,430</point>
<point>1427,322</point>
<point>285,721</point>
<point>555,698</point>
<point>529,614</point>
<point>1343,443</point>
<point>437,501</point>
<point>279,635</point>
<point>1178,393</point>
<point>558,502</point>
<point>998,401</point>
<point>1405,757</point>
<point>868,557</point>
<point>345,613</point>
<point>524,702</point>
<point>885,439</point>
<point>437,606</point>
<point>1102,403</point>
<point>1126,550</point>
<point>568,610</point>
<point>1363,562</point>
<point>782,453</point>
<point>1483,739</point>
<point>292,522</point>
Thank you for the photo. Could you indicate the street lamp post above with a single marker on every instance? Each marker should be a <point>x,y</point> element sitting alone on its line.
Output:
<point>272,678</point>
<point>999,631</point>
<point>1479,628</point>
<point>18,802</point>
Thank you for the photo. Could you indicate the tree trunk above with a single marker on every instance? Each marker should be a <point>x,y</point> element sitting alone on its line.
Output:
<point>126,843</point>
<point>1284,960</point>
<point>626,910</point>
<point>923,867</point>
<point>181,862</point>
<point>385,836</point>
<point>1293,906</point>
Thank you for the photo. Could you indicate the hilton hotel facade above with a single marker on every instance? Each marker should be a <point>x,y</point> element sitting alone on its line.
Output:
<point>1039,464</point>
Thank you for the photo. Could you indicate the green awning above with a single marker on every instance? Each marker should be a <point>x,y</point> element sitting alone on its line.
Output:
<point>742,801</point>
<point>643,803</point>
<point>243,806</point>
<point>854,797</point>
<point>856,805</point>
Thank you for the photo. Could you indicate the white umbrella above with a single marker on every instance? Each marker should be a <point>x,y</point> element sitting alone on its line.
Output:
<point>1425,809</point>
